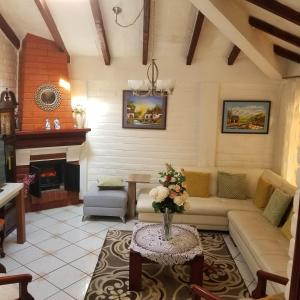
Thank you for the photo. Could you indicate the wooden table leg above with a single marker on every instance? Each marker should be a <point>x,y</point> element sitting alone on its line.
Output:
<point>135,271</point>
<point>131,199</point>
<point>20,207</point>
<point>196,276</point>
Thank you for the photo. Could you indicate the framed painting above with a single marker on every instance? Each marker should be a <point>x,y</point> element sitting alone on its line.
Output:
<point>144,112</point>
<point>246,116</point>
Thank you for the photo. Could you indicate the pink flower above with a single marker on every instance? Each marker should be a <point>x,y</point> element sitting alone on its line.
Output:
<point>173,194</point>
<point>177,188</point>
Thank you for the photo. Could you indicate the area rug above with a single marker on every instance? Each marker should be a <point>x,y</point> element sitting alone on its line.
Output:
<point>110,279</point>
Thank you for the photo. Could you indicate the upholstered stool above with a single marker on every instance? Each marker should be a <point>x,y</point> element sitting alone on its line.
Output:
<point>105,203</point>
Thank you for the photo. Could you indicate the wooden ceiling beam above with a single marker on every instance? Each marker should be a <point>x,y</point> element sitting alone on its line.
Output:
<point>9,33</point>
<point>278,9</point>
<point>96,10</point>
<point>195,38</point>
<point>233,55</point>
<point>288,54</point>
<point>275,31</point>
<point>146,30</point>
<point>46,14</point>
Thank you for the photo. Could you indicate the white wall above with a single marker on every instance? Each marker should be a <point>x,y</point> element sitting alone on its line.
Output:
<point>8,64</point>
<point>193,122</point>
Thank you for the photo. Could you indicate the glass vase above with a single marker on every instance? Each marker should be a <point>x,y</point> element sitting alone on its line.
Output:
<point>167,225</point>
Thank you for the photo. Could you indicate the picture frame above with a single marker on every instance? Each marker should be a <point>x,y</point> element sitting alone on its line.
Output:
<point>246,116</point>
<point>144,112</point>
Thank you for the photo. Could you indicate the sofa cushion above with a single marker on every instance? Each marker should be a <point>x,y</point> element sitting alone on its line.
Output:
<point>231,186</point>
<point>266,242</point>
<point>197,183</point>
<point>277,206</point>
<point>263,192</point>
<point>286,228</point>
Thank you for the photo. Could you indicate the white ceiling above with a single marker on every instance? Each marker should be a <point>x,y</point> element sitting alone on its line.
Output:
<point>174,20</point>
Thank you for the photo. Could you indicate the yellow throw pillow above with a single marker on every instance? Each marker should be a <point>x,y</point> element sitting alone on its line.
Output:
<point>197,183</point>
<point>286,228</point>
<point>264,190</point>
<point>274,297</point>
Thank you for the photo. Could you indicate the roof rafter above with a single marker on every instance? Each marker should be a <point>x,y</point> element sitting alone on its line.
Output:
<point>275,31</point>
<point>233,55</point>
<point>9,33</point>
<point>288,54</point>
<point>278,9</point>
<point>195,38</point>
<point>232,21</point>
<point>146,30</point>
<point>46,14</point>
<point>96,10</point>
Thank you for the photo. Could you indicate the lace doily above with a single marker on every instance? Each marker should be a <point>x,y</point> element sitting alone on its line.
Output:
<point>147,239</point>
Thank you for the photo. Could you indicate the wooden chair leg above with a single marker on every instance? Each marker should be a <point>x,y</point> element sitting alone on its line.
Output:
<point>23,292</point>
<point>2,236</point>
<point>2,269</point>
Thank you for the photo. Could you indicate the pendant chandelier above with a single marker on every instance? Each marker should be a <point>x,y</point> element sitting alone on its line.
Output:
<point>151,86</point>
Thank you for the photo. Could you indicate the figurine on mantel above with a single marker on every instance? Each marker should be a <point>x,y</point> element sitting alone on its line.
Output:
<point>47,125</point>
<point>56,124</point>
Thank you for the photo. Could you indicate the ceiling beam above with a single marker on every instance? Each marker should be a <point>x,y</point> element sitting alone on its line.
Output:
<point>233,55</point>
<point>46,14</point>
<point>278,9</point>
<point>275,31</point>
<point>195,38</point>
<point>146,30</point>
<point>9,33</point>
<point>232,21</point>
<point>288,54</point>
<point>96,10</point>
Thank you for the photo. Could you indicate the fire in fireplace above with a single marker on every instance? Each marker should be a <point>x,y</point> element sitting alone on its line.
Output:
<point>54,174</point>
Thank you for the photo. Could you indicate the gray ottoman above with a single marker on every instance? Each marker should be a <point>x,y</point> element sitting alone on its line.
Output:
<point>105,203</point>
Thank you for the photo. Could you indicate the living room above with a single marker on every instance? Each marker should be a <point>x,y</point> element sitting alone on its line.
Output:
<point>76,74</point>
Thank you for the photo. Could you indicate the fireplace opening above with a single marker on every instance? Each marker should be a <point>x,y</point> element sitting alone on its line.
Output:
<point>53,175</point>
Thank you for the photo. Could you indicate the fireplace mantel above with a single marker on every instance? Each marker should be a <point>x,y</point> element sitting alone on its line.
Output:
<point>50,138</point>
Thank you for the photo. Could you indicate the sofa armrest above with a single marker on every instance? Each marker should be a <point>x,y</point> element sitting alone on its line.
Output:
<point>262,278</point>
<point>199,291</point>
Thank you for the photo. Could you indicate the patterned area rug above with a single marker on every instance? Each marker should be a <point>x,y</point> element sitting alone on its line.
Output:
<point>110,278</point>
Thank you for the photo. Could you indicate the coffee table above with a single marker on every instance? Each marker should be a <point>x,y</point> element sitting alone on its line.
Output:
<point>148,246</point>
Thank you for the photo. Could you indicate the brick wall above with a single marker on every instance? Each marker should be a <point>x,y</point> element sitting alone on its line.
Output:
<point>8,64</point>
<point>41,62</point>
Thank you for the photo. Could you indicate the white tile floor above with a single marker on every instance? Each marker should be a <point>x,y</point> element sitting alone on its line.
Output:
<point>61,252</point>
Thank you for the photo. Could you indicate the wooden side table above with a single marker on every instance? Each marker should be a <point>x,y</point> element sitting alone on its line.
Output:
<point>132,180</point>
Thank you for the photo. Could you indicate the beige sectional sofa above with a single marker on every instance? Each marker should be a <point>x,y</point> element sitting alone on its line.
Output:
<point>262,245</point>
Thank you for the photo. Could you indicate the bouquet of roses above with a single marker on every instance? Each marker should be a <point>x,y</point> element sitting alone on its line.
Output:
<point>172,192</point>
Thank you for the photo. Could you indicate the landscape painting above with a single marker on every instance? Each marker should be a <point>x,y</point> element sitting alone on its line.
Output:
<point>144,112</point>
<point>246,116</point>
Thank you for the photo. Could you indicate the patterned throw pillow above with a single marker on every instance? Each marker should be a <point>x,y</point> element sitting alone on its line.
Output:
<point>232,186</point>
<point>277,206</point>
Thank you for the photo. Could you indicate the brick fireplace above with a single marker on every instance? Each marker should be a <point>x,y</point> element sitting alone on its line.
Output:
<point>53,156</point>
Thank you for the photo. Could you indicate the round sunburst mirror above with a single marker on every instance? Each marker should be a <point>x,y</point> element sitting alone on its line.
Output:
<point>48,97</point>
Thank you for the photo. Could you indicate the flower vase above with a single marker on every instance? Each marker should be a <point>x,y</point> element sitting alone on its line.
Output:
<point>79,120</point>
<point>167,225</point>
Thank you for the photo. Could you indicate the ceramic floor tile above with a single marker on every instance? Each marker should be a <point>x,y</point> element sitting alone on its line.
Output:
<point>31,217</point>
<point>38,236</point>
<point>245,272</point>
<point>127,226</point>
<point>102,234</point>
<point>45,222</point>
<point>77,221</point>
<point>64,276</point>
<point>75,235</point>
<point>24,270</point>
<point>51,211</point>
<point>45,265</point>
<point>78,289</point>
<point>64,216</point>
<point>93,227</point>
<point>53,244</point>
<point>91,243</point>
<point>240,258</point>
<point>70,253</point>
<point>77,209</point>
<point>9,263</point>
<point>11,246</point>
<point>59,228</point>
<point>86,263</point>
<point>61,296</point>
<point>97,252</point>
<point>41,289</point>
<point>31,228</point>
<point>234,251</point>
<point>28,255</point>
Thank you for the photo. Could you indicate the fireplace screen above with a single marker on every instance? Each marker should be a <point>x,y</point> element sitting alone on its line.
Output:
<point>54,174</point>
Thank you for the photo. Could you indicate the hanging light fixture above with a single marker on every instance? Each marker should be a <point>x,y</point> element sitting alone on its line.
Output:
<point>150,86</point>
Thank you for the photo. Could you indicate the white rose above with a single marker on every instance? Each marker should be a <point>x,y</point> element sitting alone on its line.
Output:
<point>171,187</point>
<point>179,200</point>
<point>159,193</point>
